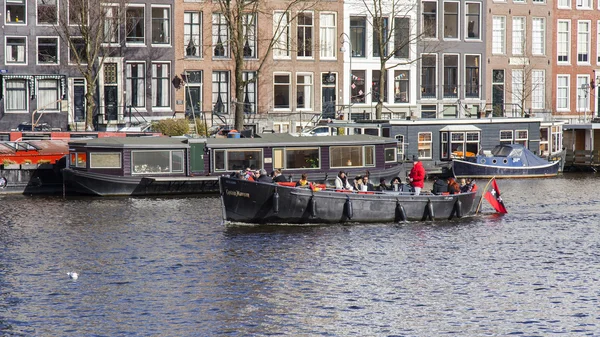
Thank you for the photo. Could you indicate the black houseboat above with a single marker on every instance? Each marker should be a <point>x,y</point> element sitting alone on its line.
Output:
<point>161,165</point>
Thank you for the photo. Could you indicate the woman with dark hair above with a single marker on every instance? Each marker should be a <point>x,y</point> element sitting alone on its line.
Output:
<point>396,184</point>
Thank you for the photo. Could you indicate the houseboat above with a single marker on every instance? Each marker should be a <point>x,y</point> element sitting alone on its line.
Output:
<point>161,165</point>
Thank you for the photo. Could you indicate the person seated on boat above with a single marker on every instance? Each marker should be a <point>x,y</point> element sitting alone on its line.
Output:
<point>453,186</point>
<point>262,176</point>
<point>303,182</point>
<point>396,184</point>
<point>366,185</point>
<point>439,186</point>
<point>382,185</point>
<point>341,182</point>
<point>249,174</point>
<point>358,183</point>
<point>278,176</point>
<point>417,175</point>
<point>465,185</point>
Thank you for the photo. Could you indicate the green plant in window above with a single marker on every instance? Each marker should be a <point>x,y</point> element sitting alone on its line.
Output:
<point>312,162</point>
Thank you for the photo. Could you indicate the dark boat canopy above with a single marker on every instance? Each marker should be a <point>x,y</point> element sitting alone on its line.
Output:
<point>527,157</point>
<point>286,139</point>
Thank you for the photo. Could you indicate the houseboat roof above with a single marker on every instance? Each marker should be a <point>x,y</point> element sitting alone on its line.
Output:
<point>286,139</point>
<point>465,121</point>
<point>131,142</point>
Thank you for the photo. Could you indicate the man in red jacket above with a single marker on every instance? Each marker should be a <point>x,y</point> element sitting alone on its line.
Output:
<point>417,175</point>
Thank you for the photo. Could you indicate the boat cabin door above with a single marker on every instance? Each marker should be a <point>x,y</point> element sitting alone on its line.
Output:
<point>197,157</point>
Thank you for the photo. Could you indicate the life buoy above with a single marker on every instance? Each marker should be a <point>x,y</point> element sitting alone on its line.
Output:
<point>3,182</point>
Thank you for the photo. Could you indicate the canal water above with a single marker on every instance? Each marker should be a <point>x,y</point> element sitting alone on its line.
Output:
<point>167,267</point>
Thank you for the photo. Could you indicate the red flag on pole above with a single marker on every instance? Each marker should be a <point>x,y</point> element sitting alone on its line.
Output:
<point>494,198</point>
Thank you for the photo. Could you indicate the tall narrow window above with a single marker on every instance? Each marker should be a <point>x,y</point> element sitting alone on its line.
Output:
<point>111,24</point>
<point>428,72</point>
<point>220,92</point>
<point>379,89</point>
<point>305,34</point>
<point>304,91</point>
<point>135,25</point>
<point>473,18</point>
<point>425,144</point>
<point>380,36</point>
<point>193,92</point>
<point>451,20</point>
<point>401,86</point>
<point>16,95</point>
<point>281,27</point>
<point>538,94</point>
<point>401,37</point>
<point>583,42</point>
<point>281,91</point>
<point>358,35</point>
<point>220,35</point>
<point>48,94</point>
<point>472,77</point>
<point>328,35</point>
<point>135,95</point>
<point>583,92</point>
<point>249,30</point>
<point>450,76</point>
<point>498,34</point>
<point>16,50</point>
<point>160,85</point>
<point>518,35</point>
<point>249,78</point>
<point>518,94</point>
<point>161,27</point>
<point>563,43</point>
<point>358,86</point>
<point>47,12</point>
<point>429,19</point>
<point>562,92</point>
<point>192,33</point>
<point>47,51</point>
<point>16,12</point>
<point>538,36</point>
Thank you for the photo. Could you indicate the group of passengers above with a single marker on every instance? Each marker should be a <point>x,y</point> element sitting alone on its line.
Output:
<point>451,186</point>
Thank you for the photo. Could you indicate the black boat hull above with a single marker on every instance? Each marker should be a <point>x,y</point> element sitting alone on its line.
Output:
<point>259,203</point>
<point>466,169</point>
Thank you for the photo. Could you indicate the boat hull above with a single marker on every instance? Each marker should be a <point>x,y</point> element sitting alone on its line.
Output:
<point>466,169</point>
<point>260,203</point>
<point>81,182</point>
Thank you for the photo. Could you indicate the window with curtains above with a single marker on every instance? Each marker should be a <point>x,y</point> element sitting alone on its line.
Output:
<point>518,96</point>
<point>161,27</point>
<point>220,92</point>
<point>563,43</point>
<point>249,30</point>
<point>498,34</point>
<point>16,50</point>
<point>249,78</point>
<point>562,92</point>
<point>160,85</point>
<point>111,23</point>
<point>401,86</point>
<point>135,86</point>
<point>518,35</point>
<point>538,95</point>
<point>328,35</point>
<point>220,35</point>
<point>304,91</point>
<point>192,33</point>
<point>281,27</point>
<point>538,36</point>
<point>16,93</point>
<point>48,94</point>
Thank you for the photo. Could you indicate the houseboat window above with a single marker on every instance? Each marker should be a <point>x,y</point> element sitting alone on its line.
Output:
<point>78,159</point>
<point>372,132</point>
<point>390,155</point>
<point>156,161</point>
<point>296,158</point>
<point>234,160</point>
<point>457,144</point>
<point>557,143</point>
<point>544,150</point>
<point>351,156</point>
<point>444,148</point>
<point>219,160</point>
<point>425,145</point>
<point>521,137</point>
<point>472,143</point>
<point>400,140</point>
<point>506,137</point>
<point>105,160</point>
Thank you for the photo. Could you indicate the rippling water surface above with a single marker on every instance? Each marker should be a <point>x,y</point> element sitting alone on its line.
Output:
<point>167,267</point>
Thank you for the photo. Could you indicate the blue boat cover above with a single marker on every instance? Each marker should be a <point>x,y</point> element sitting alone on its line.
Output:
<point>527,157</point>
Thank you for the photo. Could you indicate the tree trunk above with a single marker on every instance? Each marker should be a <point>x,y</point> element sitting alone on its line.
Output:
<point>382,85</point>
<point>90,104</point>
<point>239,96</point>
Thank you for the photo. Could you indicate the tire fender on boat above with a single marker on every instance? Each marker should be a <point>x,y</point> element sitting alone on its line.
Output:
<point>348,208</point>
<point>313,207</point>
<point>428,214</point>
<point>400,211</point>
<point>276,202</point>
<point>457,211</point>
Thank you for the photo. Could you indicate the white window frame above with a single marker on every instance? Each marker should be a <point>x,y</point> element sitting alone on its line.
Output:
<point>584,4</point>
<point>583,97</point>
<point>26,52</point>
<point>538,36</point>
<point>400,145</point>
<point>57,89</point>
<point>37,59</point>
<point>565,4</point>
<point>116,19</point>
<point>249,28</point>
<point>538,90</point>
<point>12,21</point>
<point>521,140</point>
<point>91,156</point>
<point>468,16</point>
<point>171,171</point>
<point>47,24</point>
<point>503,139</point>
<point>217,21</point>
<point>560,87</point>
<point>68,14</point>
<point>127,77</point>
<point>437,20</point>
<point>135,43</point>
<point>308,103</point>
<point>364,157</point>
<point>312,36</point>
<point>284,155</point>
<point>517,86</point>
<point>519,27</point>
<point>189,35</point>
<point>214,99</point>
<point>328,48</point>
<point>563,38</point>
<point>169,30</point>
<point>422,151</point>
<point>27,95</point>
<point>583,41</point>
<point>154,81</point>
<point>499,35</point>
<point>281,31</point>
<point>289,84</point>
<point>458,7</point>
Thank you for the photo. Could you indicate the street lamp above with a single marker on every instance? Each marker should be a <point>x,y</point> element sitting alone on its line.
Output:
<point>343,50</point>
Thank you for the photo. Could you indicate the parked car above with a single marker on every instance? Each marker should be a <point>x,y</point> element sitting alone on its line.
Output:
<point>321,131</point>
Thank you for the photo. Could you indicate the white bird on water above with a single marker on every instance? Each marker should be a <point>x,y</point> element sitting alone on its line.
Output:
<point>73,275</point>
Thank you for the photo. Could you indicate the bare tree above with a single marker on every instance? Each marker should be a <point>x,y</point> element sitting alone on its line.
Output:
<point>241,17</point>
<point>90,30</point>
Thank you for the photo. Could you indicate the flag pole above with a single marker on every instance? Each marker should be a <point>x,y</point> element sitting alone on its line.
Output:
<point>483,193</point>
